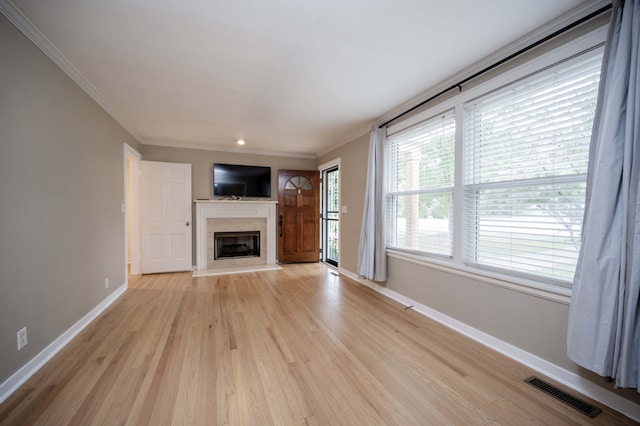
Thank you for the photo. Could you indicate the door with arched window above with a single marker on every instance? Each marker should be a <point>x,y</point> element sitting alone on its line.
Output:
<point>298,215</point>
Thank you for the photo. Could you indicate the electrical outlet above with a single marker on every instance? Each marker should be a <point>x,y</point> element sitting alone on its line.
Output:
<point>22,338</point>
<point>106,283</point>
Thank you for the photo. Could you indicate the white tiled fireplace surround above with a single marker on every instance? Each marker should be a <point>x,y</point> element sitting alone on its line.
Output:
<point>234,216</point>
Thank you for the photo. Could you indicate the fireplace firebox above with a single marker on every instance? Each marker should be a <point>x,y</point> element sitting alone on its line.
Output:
<point>236,244</point>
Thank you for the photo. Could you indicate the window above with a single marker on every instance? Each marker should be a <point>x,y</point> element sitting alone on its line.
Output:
<point>526,156</point>
<point>420,186</point>
<point>498,182</point>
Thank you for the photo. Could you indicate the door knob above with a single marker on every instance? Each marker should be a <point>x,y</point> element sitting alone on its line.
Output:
<point>187,223</point>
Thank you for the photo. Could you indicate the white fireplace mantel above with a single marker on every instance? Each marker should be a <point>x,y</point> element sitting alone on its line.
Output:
<point>212,209</point>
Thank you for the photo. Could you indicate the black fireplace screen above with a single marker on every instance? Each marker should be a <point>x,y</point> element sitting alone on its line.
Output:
<point>236,244</point>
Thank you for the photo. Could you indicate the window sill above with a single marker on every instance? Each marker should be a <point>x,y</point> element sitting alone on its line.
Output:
<point>529,287</point>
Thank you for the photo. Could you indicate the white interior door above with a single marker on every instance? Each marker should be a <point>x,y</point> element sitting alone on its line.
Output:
<point>165,220</point>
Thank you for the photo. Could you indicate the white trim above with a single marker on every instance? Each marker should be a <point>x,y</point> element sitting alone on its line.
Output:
<point>591,42</point>
<point>203,147</point>
<point>336,162</point>
<point>544,31</point>
<point>28,28</point>
<point>128,149</point>
<point>330,164</point>
<point>559,374</point>
<point>572,16</point>
<point>555,56</point>
<point>30,368</point>
<point>132,192</point>
<point>230,209</point>
<point>534,288</point>
<point>357,134</point>
<point>459,202</point>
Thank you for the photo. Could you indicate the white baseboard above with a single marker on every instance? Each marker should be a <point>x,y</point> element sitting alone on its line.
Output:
<point>559,374</point>
<point>30,368</point>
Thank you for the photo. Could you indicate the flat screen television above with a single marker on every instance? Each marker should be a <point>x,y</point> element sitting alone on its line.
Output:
<point>235,180</point>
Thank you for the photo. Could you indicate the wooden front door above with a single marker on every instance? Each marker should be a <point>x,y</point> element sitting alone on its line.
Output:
<point>298,216</point>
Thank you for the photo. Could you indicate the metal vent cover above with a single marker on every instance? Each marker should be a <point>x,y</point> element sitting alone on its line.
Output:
<point>578,404</point>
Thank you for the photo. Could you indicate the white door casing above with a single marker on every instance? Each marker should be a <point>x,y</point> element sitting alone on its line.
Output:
<point>132,160</point>
<point>165,221</point>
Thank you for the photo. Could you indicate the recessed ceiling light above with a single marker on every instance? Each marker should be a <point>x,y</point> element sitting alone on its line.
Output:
<point>240,142</point>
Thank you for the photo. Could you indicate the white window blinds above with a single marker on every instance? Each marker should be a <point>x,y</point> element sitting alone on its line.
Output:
<point>525,163</point>
<point>420,178</point>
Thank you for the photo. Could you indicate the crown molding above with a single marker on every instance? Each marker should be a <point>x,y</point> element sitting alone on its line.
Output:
<point>357,134</point>
<point>20,21</point>
<point>204,147</point>
<point>571,16</point>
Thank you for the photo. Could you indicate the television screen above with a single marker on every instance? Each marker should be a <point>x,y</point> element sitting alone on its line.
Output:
<point>234,180</point>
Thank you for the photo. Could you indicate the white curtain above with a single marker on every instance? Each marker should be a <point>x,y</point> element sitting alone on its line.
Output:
<point>604,320</point>
<point>372,258</point>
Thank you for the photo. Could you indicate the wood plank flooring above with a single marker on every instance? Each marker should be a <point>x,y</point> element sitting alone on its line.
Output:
<point>296,346</point>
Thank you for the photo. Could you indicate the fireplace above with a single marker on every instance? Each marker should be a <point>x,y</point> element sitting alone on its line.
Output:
<point>236,244</point>
<point>250,228</point>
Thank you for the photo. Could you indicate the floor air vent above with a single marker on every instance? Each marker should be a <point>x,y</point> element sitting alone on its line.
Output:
<point>583,407</point>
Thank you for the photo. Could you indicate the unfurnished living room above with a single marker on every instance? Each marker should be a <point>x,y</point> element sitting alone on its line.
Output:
<point>338,212</point>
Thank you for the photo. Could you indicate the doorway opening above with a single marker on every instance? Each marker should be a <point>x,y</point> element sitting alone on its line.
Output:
<point>131,207</point>
<point>330,213</point>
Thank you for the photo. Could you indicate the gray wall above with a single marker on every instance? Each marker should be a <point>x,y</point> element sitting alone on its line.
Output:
<point>61,186</point>
<point>531,323</point>
<point>62,230</point>
<point>202,169</point>
<point>353,178</point>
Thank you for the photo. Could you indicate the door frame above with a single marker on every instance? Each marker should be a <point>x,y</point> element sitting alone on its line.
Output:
<point>321,168</point>
<point>131,208</point>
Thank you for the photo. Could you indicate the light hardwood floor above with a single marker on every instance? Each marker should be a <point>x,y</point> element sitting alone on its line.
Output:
<point>295,346</point>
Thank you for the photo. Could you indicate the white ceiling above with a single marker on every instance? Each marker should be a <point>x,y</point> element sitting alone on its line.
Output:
<point>289,76</point>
